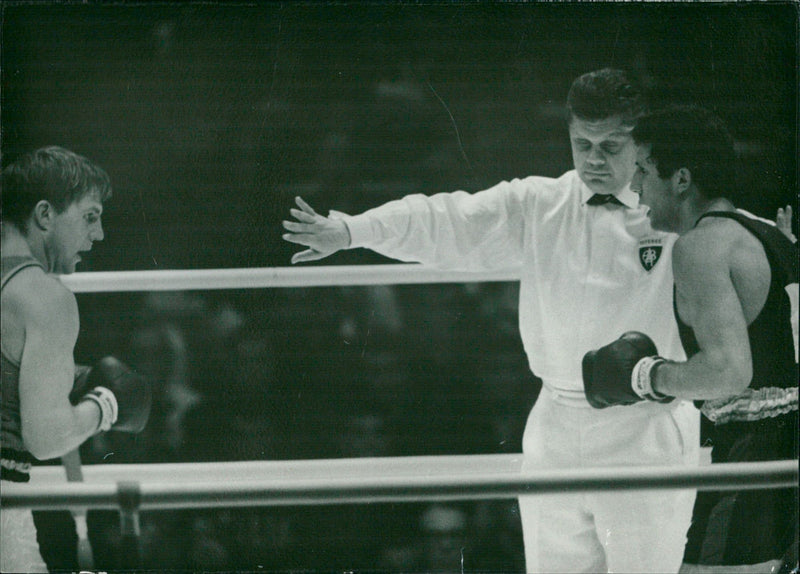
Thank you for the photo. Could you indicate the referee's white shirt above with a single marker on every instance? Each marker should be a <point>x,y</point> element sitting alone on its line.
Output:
<point>588,273</point>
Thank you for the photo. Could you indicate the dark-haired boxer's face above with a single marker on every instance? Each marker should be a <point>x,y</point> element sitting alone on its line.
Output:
<point>656,192</point>
<point>603,153</point>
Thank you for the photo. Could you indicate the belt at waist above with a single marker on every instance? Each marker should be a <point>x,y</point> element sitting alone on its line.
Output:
<point>567,397</point>
<point>573,398</point>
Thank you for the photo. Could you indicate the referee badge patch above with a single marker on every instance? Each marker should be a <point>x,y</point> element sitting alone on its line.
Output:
<point>649,252</point>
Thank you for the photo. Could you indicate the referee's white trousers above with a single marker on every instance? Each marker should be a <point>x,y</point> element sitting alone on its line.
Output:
<point>634,531</point>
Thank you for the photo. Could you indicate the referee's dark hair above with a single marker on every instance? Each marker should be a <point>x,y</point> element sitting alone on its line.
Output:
<point>604,94</point>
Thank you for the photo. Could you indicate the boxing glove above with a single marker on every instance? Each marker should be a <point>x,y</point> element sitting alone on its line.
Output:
<point>123,396</point>
<point>621,373</point>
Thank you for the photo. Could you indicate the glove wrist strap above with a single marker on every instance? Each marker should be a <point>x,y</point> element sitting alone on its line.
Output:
<point>107,402</point>
<point>641,380</point>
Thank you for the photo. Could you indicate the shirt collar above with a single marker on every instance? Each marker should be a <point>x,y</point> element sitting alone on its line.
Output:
<point>628,198</point>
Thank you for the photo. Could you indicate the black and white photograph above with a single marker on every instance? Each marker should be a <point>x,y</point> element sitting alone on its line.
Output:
<point>399,287</point>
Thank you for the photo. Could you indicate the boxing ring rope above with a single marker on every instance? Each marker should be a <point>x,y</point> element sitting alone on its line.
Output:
<point>133,488</point>
<point>369,480</point>
<point>261,277</point>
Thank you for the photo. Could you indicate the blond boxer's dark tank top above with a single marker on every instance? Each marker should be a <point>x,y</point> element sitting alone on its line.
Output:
<point>15,460</point>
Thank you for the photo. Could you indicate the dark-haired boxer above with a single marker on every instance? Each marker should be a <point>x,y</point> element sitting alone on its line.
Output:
<point>736,304</point>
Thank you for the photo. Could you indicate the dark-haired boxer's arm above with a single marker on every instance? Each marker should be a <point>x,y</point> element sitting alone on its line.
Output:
<point>708,302</point>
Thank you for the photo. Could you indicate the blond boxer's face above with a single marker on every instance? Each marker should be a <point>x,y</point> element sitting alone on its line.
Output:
<point>72,232</point>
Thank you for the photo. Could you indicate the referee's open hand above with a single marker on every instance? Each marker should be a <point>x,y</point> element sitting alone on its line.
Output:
<point>322,235</point>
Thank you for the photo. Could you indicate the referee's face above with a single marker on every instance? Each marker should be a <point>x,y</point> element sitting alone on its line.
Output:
<point>603,153</point>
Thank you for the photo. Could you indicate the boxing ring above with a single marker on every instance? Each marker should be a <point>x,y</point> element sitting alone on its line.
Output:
<point>134,488</point>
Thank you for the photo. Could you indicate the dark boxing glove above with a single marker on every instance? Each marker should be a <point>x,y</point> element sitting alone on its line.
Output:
<point>621,373</point>
<point>124,397</point>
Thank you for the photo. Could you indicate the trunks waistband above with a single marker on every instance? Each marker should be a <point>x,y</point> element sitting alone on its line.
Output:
<point>751,405</point>
<point>15,465</point>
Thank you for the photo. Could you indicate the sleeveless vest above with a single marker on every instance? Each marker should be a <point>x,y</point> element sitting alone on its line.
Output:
<point>773,336</point>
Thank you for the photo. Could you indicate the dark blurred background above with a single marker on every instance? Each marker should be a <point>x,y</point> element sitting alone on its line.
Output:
<point>210,118</point>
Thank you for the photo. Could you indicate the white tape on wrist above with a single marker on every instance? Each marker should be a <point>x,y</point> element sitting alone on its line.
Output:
<point>641,382</point>
<point>109,410</point>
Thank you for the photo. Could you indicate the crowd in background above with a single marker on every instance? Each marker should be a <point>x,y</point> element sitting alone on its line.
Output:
<point>289,374</point>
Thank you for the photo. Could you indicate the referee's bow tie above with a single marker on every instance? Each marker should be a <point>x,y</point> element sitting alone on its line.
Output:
<point>604,199</point>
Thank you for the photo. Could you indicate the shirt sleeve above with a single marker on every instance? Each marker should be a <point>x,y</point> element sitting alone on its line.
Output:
<point>457,230</point>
